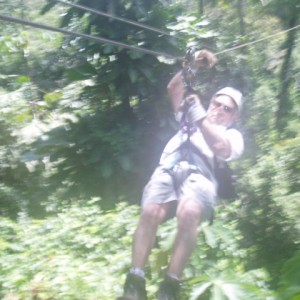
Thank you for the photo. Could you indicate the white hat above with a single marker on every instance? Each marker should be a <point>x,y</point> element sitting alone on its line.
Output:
<point>234,94</point>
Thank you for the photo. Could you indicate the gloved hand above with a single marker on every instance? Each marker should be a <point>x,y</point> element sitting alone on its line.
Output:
<point>195,111</point>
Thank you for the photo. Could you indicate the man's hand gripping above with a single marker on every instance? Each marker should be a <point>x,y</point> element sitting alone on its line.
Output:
<point>193,109</point>
<point>191,104</point>
<point>205,59</point>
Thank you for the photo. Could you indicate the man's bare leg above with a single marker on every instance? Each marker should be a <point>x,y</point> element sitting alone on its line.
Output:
<point>188,218</point>
<point>152,215</point>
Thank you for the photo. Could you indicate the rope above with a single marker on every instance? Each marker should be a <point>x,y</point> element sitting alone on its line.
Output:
<point>114,17</point>
<point>87,36</point>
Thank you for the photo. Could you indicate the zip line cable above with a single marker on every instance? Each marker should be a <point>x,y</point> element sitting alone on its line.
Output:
<point>257,41</point>
<point>126,46</point>
<point>161,31</point>
<point>87,36</point>
<point>98,12</point>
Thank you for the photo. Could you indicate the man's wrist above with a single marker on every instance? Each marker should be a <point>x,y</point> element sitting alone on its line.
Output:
<point>196,113</point>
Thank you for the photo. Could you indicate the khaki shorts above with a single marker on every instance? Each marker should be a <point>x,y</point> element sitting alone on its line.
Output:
<point>179,183</point>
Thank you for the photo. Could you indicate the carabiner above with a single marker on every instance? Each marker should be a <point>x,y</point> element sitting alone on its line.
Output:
<point>188,73</point>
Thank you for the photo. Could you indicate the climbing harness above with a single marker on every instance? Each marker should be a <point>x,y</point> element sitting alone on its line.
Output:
<point>184,166</point>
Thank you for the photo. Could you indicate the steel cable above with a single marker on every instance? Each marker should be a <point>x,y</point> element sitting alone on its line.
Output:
<point>126,46</point>
<point>257,41</point>
<point>87,36</point>
<point>100,13</point>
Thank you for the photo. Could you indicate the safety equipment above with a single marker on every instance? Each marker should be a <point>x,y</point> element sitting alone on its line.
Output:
<point>188,72</point>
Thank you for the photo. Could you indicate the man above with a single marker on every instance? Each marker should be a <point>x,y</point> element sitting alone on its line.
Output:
<point>184,183</point>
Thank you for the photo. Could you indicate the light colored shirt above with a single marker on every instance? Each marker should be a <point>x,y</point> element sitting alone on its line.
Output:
<point>178,149</point>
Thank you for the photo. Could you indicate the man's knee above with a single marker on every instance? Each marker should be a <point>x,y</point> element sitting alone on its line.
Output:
<point>188,213</point>
<point>153,214</point>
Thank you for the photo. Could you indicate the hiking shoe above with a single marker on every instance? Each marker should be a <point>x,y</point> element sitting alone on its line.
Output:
<point>134,288</point>
<point>169,289</point>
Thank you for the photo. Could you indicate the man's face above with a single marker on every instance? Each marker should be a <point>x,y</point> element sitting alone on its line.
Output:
<point>222,110</point>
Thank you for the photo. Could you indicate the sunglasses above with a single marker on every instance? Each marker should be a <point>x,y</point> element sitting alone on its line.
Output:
<point>226,108</point>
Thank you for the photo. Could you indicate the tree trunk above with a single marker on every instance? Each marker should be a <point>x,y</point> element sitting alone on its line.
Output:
<point>240,8</point>
<point>201,7</point>
<point>284,104</point>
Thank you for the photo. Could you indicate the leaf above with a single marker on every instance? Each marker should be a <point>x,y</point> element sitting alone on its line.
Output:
<point>30,155</point>
<point>52,97</point>
<point>147,72</point>
<point>200,290</point>
<point>106,169</point>
<point>133,75</point>
<point>23,79</point>
<point>233,291</point>
<point>216,293</point>
<point>82,72</point>
<point>210,236</point>
<point>134,54</point>
<point>48,7</point>
<point>125,162</point>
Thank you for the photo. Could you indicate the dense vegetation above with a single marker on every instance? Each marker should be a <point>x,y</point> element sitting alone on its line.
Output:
<point>82,126</point>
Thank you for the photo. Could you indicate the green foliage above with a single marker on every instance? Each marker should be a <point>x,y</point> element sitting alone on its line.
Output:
<point>269,219</point>
<point>83,252</point>
<point>99,118</point>
<point>78,254</point>
<point>93,155</point>
<point>105,146</point>
<point>221,263</point>
<point>16,184</point>
<point>12,61</point>
<point>284,10</point>
<point>289,285</point>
